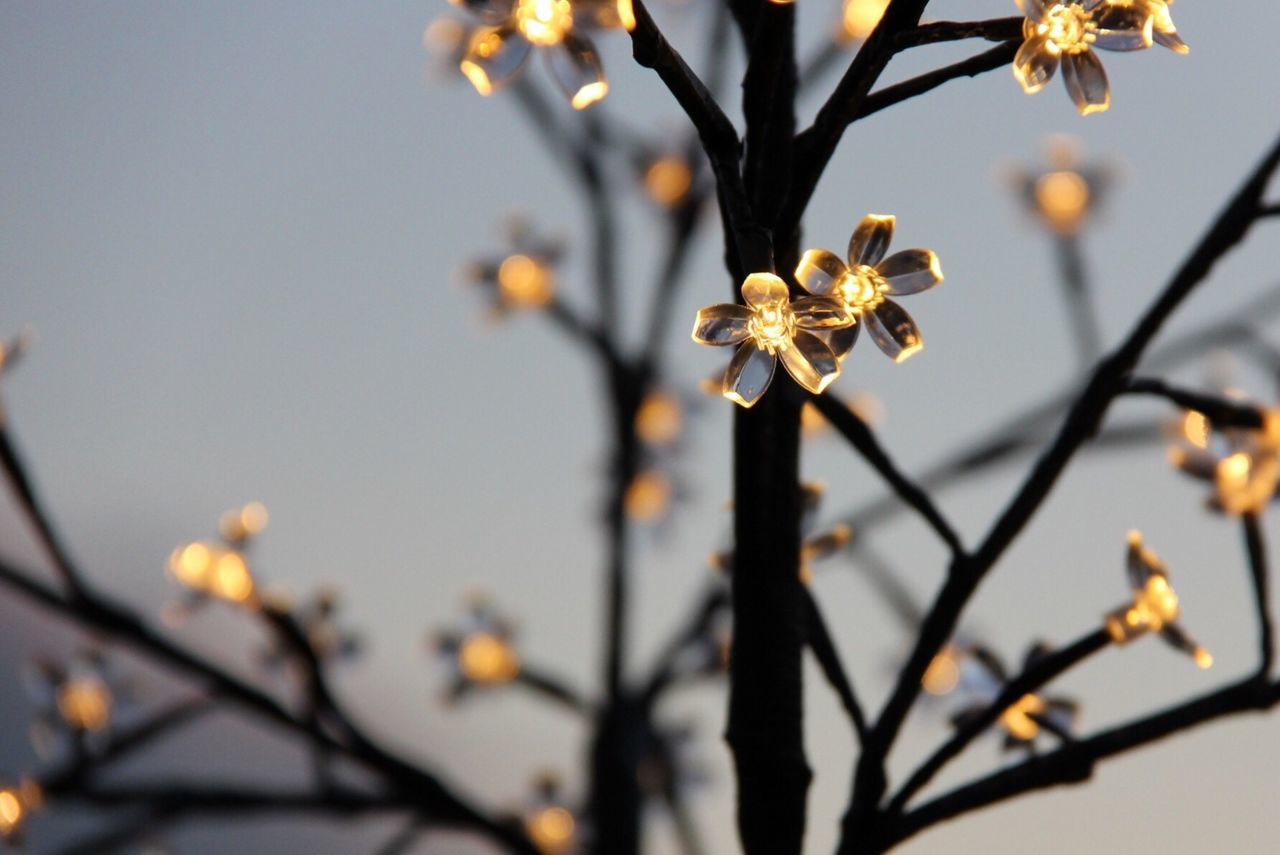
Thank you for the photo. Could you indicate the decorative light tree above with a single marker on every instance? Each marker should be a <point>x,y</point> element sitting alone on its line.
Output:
<point>801,307</point>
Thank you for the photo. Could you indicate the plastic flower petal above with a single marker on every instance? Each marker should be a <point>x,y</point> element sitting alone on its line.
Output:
<point>1026,718</point>
<point>1065,33</point>
<point>576,68</point>
<point>771,327</point>
<point>1242,465</point>
<point>494,56</point>
<point>1155,606</point>
<point>864,282</point>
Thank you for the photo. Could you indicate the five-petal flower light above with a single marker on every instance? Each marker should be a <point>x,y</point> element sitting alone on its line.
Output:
<point>1024,719</point>
<point>771,327</point>
<point>497,52</point>
<point>1243,465</point>
<point>865,283</point>
<point>524,278</point>
<point>1065,33</point>
<point>480,652</point>
<point>1155,605</point>
<point>548,821</point>
<point>1066,191</point>
<point>17,803</point>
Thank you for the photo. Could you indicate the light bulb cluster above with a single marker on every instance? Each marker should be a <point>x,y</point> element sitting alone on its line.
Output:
<point>219,569</point>
<point>498,50</point>
<point>812,334</point>
<point>1066,33</point>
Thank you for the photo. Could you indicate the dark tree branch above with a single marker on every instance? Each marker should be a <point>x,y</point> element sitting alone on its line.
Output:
<point>934,32</point>
<point>552,688</point>
<point>1030,680</point>
<point>694,631</point>
<point>996,57</point>
<point>1256,548</point>
<point>1222,411</point>
<point>25,491</point>
<point>1074,762</point>
<point>824,650</point>
<point>1079,297</point>
<point>859,435</point>
<point>1081,423</point>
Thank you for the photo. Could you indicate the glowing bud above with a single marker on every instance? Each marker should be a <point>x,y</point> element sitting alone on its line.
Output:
<point>525,282</point>
<point>943,674</point>
<point>659,418</point>
<point>551,829</point>
<point>648,496</point>
<point>667,180</point>
<point>1019,719</point>
<point>85,702</point>
<point>487,659</point>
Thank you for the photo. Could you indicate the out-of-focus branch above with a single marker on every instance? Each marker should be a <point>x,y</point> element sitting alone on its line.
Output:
<point>1220,410</point>
<point>1256,549</point>
<point>1079,297</point>
<point>694,631</point>
<point>824,650</point>
<point>854,429</point>
<point>552,688</point>
<point>989,60</point>
<point>1030,680</point>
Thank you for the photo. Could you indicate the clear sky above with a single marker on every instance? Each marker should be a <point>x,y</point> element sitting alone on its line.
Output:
<point>235,227</point>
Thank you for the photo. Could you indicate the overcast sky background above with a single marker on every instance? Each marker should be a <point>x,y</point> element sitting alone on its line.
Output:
<point>235,228</point>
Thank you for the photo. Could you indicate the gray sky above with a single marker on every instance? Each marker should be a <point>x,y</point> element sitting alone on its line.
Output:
<point>235,227</point>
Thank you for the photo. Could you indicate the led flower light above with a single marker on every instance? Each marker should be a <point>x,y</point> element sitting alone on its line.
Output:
<point>771,327</point>
<point>1065,33</point>
<point>1242,465</point>
<point>659,418</point>
<point>497,53</point>
<point>77,703</point>
<point>668,179</point>
<point>522,279</point>
<point>549,823</point>
<point>1155,606</point>
<point>943,674</point>
<point>480,652</point>
<point>1065,193</point>
<point>17,802</point>
<point>1027,717</point>
<point>864,284</point>
<point>858,18</point>
<point>220,570</point>
<point>648,497</point>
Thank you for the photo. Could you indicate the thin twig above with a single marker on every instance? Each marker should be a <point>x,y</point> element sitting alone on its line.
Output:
<point>1079,298</point>
<point>854,429</point>
<point>1256,548</point>
<point>1222,411</point>
<point>552,688</point>
<point>989,60</point>
<point>824,650</point>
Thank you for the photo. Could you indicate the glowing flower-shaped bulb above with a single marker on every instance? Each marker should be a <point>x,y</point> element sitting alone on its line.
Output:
<point>1155,606</point>
<point>522,279</point>
<point>858,18</point>
<point>213,569</point>
<point>480,652</point>
<point>85,701</point>
<point>771,327</point>
<point>497,53</point>
<point>648,497</point>
<point>943,674</point>
<point>17,802</point>
<point>549,823</point>
<point>1065,192</point>
<point>659,418</point>
<point>1026,718</point>
<point>1065,33</point>
<point>667,179</point>
<point>864,283</point>
<point>1242,465</point>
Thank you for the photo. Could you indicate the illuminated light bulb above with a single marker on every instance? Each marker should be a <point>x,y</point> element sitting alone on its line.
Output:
<point>589,94</point>
<point>860,17</point>
<point>667,180</point>
<point>85,703</point>
<point>525,282</point>
<point>1203,658</point>
<point>213,570</point>
<point>1063,199</point>
<point>770,328</point>
<point>240,524</point>
<point>1245,483</point>
<point>626,15</point>
<point>551,829</point>
<point>1195,428</point>
<point>190,564</point>
<point>485,658</point>
<point>1155,607</point>
<point>648,496</point>
<point>659,418</point>
<point>1017,719</point>
<point>864,280</point>
<point>943,673</point>
<point>1065,33</point>
<point>230,579</point>
<point>12,811</point>
<point>543,22</point>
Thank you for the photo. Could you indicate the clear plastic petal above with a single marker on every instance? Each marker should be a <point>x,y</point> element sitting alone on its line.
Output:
<point>577,70</point>
<point>749,375</point>
<point>820,313</point>
<point>810,362</point>
<point>725,323</point>
<point>893,331</point>
<point>827,543</point>
<point>1087,82</point>
<point>1178,639</point>
<point>761,290</point>
<point>1171,40</point>
<point>494,56</point>
<point>870,240</point>
<point>910,271</point>
<point>1033,9</point>
<point>604,14</point>
<point>1034,65</point>
<point>819,271</point>
<point>842,341</point>
<point>1123,28</point>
